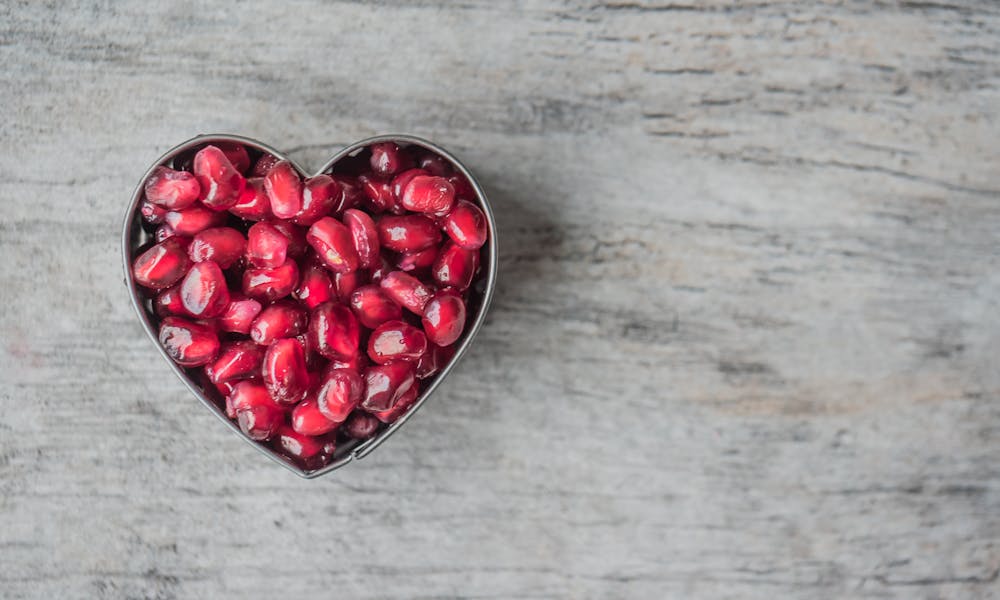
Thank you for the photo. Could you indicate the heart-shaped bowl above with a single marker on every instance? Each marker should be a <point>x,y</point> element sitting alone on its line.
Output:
<point>136,237</point>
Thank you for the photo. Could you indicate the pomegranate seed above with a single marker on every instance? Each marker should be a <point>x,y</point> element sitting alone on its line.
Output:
<point>253,204</point>
<point>172,189</point>
<point>466,225</point>
<point>285,373</point>
<point>444,318</point>
<point>435,165</point>
<point>237,155</point>
<point>409,233</point>
<point>240,314</point>
<point>402,405</point>
<point>400,181</point>
<point>258,415</point>
<point>434,360</point>
<point>308,420</point>
<point>350,193</point>
<point>264,164</point>
<point>168,302</point>
<point>221,184</point>
<point>204,292</point>
<point>339,393</point>
<point>271,284</point>
<point>386,159</point>
<point>333,331</point>
<point>280,320</point>
<point>284,189</point>
<point>344,284</point>
<point>406,290</point>
<point>365,237</point>
<point>463,189</point>
<point>381,270</point>
<point>417,261</point>
<point>315,287</point>
<point>237,360</point>
<point>162,265</point>
<point>357,363</point>
<point>306,451</point>
<point>378,194</point>
<point>334,244</point>
<point>188,343</point>
<point>266,246</point>
<point>221,245</point>
<point>152,213</point>
<point>396,340</point>
<point>385,384</point>
<point>454,266</point>
<point>360,425</point>
<point>321,195</point>
<point>373,306</point>
<point>191,220</point>
<point>297,244</point>
<point>428,194</point>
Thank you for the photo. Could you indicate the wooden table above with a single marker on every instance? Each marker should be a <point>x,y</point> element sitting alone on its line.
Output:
<point>745,343</point>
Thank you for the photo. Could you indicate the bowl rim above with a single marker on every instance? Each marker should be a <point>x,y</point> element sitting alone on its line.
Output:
<point>359,450</point>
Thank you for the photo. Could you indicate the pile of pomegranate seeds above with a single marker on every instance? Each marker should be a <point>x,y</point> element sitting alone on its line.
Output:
<point>317,309</point>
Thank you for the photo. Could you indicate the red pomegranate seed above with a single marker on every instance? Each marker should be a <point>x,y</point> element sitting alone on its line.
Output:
<point>351,193</point>
<point>435,165</point>
<point>339,393</point>
<point>280,320</point>
<point>152,213</point>
<point>168,302</point>
<point>400,181</point>
<point>466,225</point>
<point>334,245</point>
<point>373,306</point>
<point>266,246</point>
<point>240,314</point>
<point>191,220</point>
<point>444,318</point>
<point>172,189</point>
<point>221,245</point>
<point>315,287</point>
<point>365,237</point>
<point>417,261</point>
<point>357,363</point>
<point>428,194</point>
<point>434,360</point>
<point>264,164</point>
<point>344,284</point>
<point>188,343</point>
<point>237,155</point>
<point>308,420</point>
<point>285,373</point>
<point>221,184</point>
<point>385,384</point>
<point>402,405</point>
<point>297,244</point>
<point>258,415</point>
<point>284,189</point>
<point>271,284</point>
<point>406,290</point>
<point>162,265</point>
<point>237,360</point>
<point>204,292</point>
<point>253,204</point>
<point>463,189</point>
<point>321,195</point>
<point>333,331</point>
<point>381,270</point>
<point>408,233</point>
<point>386,159</point>
<point>360,425</point>
<point>396,340</point>
<point>308,452</point>
<point>378,194</point>
<point>454,266</point>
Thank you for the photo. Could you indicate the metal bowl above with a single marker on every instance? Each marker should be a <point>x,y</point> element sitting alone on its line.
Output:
<point>134,237</point>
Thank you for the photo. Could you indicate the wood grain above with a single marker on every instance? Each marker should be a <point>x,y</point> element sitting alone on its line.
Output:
<point>745,342</point>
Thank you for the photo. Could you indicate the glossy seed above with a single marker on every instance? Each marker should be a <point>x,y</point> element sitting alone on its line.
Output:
<point>406,290</point>
<point>334,244</point>
<point>221,245</point>
<point>409,233</point>
<point>444,318</point>
<point>204,291</point>
<point>221,183</point>
<point>279,320</point>
<point>172,189</point>
<point>372,306</point>
<point>333,331</point>
<point>266,245</point>
<point>162,265</point>
<point>284,371</point>
<point>188,343</point>
<point>396,340</point>
<point>428,194</point>
<point>271,284</point>
<point>339,393</point>
<point>385,384</point>
<point>284,189</point>
<point>240,314</point>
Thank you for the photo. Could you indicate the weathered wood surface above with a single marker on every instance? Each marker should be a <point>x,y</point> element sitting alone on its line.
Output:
<point>745,343</point>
